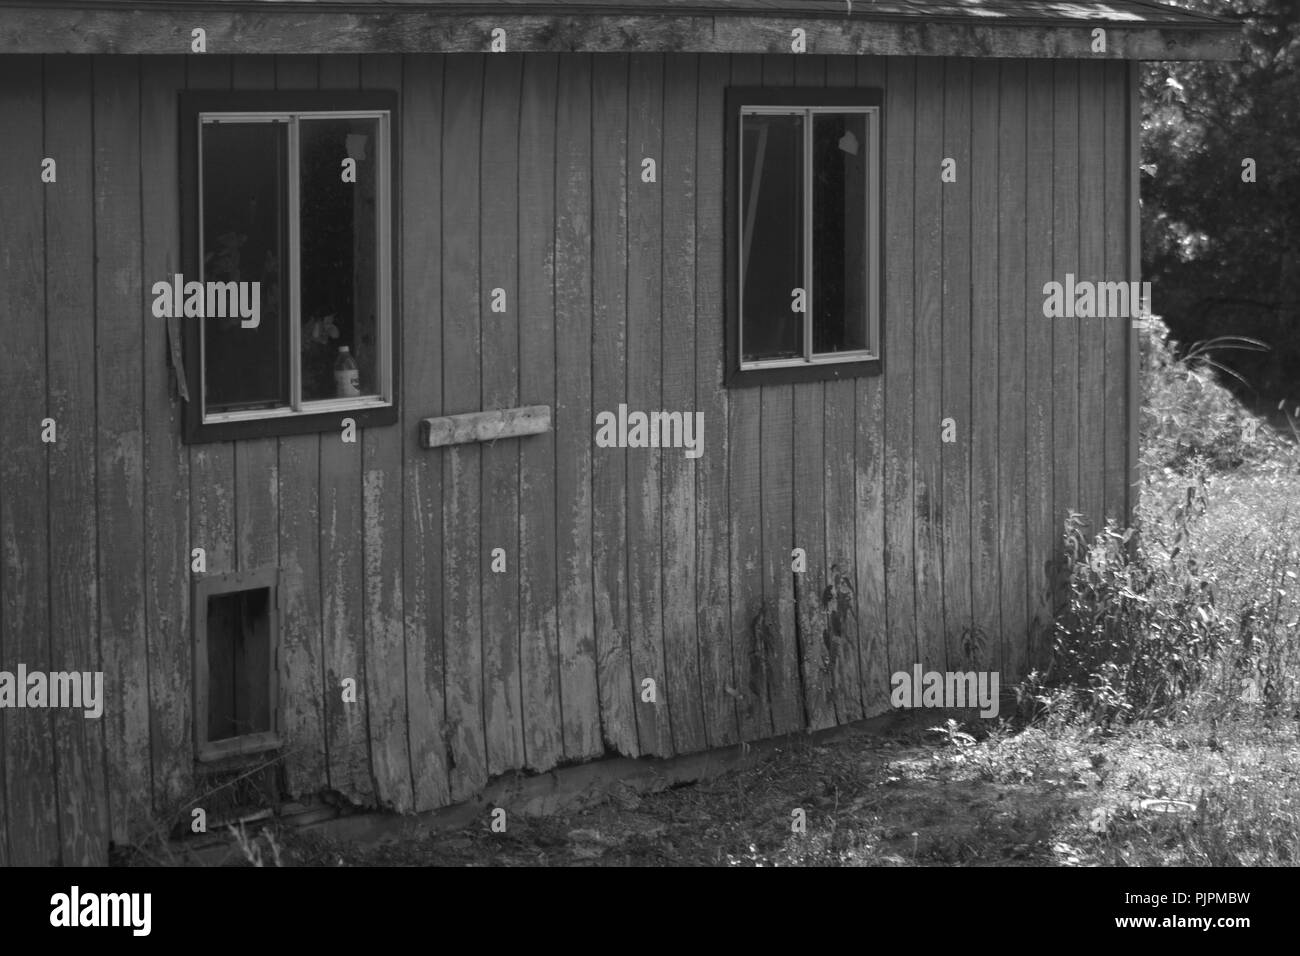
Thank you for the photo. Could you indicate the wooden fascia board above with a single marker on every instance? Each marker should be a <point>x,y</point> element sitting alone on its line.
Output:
<point>432,30</point>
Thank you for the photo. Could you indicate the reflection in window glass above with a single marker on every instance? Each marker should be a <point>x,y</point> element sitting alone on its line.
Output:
<point>771,190</point>
<point>243,241</point>
<point>338,258</point>
<point>839,305</point>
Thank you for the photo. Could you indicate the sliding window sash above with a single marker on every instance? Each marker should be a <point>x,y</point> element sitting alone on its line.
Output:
<point>385,289</point>
<point>870,245</point>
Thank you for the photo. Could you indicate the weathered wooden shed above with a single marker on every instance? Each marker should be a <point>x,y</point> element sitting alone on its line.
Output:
<point>814,231</point>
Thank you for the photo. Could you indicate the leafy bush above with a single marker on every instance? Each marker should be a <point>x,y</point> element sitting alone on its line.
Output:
<point>1193,606</point>
<point>1139,631</point>
<point>1186,414</point>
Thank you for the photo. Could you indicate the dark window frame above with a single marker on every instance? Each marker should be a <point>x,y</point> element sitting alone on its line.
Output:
<point>214,585</point>
<point>191,104</point>
<point>734,99</point>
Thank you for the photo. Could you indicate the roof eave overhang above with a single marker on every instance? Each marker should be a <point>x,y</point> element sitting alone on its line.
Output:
<point>66,29</point>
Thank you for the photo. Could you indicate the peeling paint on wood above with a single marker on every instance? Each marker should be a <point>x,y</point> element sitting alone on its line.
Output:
<point>74,582</point>
<point>461,541</point>
<point>840,475</point>
<point>900,567</point>
<point>1065,331</point>
<point>967,358</point>
<point>776,469</point>
<point>498,237</point>
<point>712,508</point>
<point>644,382</point>
<point>677,357</point>
<point>539,639</point>
<point>485,426</point>
<point>1115,206</point>
<point>579,695</point>
<point>30,793</point>
<point>609,388</point>
<point>384,547</point>
<point>1041,528</point>
<point>1091,159</point>
<point>997,367</point>
<point>746,506</point>
<point>119,429</point>
<point>166,461</point>
<point>809,490</point>
<point>381,460</point>
<point>873,642</point>
<point>422,543</point>
<point>211,473</point>
<point>929,357</point>
<point>303,710</point>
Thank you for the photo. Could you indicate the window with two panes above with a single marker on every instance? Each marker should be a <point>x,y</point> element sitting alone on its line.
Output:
<point>805,190</point>
<point>300,202</point>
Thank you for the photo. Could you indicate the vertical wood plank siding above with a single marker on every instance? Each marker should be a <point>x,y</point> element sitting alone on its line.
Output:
<point>871,611</point>
<point>717,642</point>
<point>677,361</point>
<point>1067,394</point>
<point>776,512</point>
<point>167,466</point>
<point>304,717</point>
<point>645,374</point>
<point>749,626</point>
<point>119,414</point>
<point>523,173</point>
<point>30,789</point>
<point>1000,121</point>
<point>808,456</point>
<point>459,352</point>
<point>610,175</point>
<point>926,276</point>
<point>1026,263</point>
<point>422,544</point>
<point>997,374</point>
<point>499,367</point>
<point>538,580</point>
<point>70,358</point>
<point>969,360</point>
<point>840,616</point>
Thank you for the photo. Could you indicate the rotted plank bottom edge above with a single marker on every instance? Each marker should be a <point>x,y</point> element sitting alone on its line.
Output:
<point>580,785</point>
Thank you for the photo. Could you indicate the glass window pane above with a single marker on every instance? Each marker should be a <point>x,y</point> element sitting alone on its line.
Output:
<point>771,243</point>
<point>244,201</point>
<point>840,170</point>
<point>339,263</point>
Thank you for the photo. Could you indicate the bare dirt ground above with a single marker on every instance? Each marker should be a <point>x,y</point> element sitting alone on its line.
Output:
<point>917,789</point>
<point>909,798</point>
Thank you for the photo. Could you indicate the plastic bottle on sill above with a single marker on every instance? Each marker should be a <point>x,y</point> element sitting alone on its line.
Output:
<point>347,378</point>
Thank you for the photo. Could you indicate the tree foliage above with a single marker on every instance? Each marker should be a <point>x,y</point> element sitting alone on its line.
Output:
<point>1223,255</point>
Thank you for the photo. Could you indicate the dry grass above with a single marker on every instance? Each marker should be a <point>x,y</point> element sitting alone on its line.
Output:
<point>1061,794</point>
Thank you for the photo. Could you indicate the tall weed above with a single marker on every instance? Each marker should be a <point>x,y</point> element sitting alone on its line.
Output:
<point>1196,606</point>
